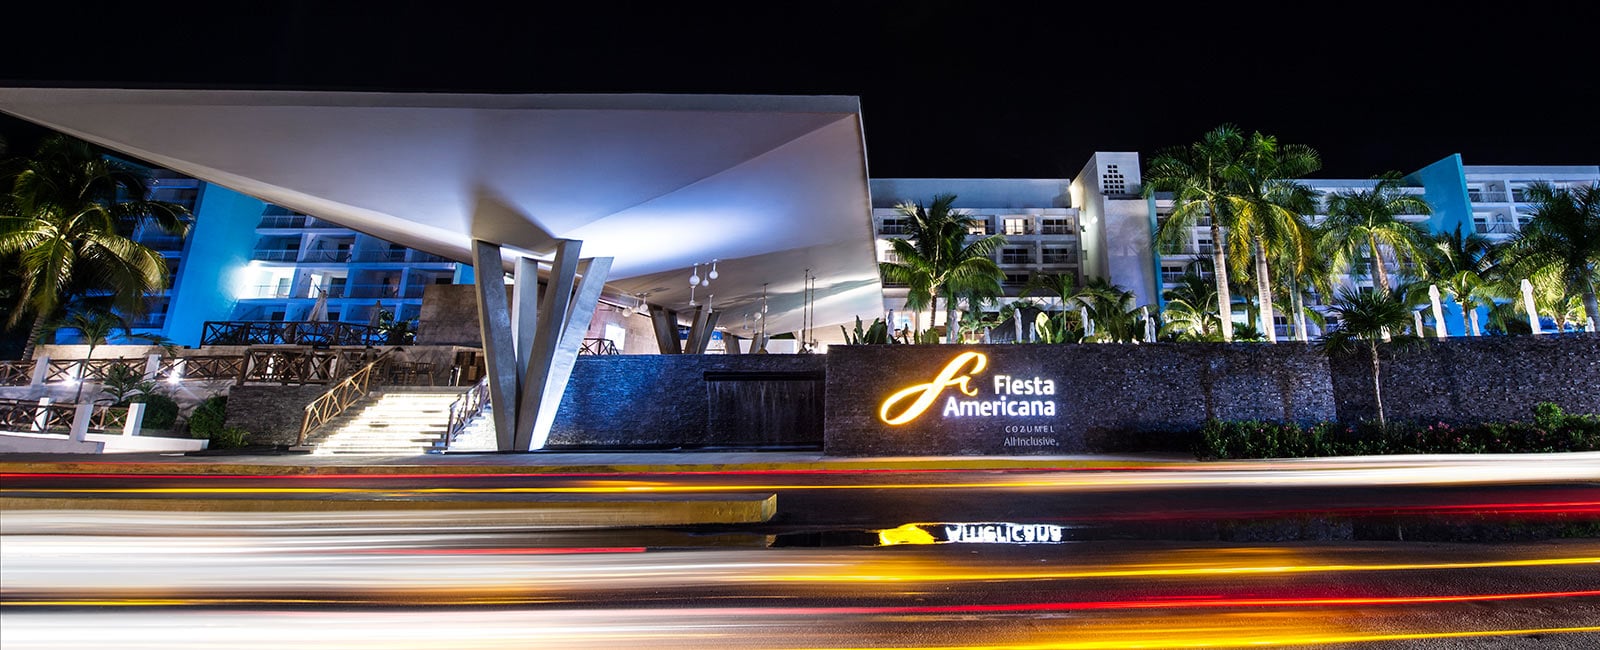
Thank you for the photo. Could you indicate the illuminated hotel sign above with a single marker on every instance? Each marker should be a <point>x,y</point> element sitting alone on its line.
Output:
<point>1013,397</point>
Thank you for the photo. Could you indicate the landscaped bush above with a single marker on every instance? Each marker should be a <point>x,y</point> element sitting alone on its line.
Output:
<point>229,438</point>
<point>208,416</point>
<point>160,411</point>
<point>1550,431</point>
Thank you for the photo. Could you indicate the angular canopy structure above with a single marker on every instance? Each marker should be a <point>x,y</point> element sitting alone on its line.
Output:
<point>770,186</point>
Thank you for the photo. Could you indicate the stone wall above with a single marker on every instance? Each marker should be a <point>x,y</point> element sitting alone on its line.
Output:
<point>1103,397</point>
<point>449,315</point>
<point>667,402</point>
<point>1464,380</point>
<point>272,414</point>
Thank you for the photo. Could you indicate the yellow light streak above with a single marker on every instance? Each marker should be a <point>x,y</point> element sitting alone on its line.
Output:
<point>929,572</point>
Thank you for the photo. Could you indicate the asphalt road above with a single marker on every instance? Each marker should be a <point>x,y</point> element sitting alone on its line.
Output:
<point>1285,556</point>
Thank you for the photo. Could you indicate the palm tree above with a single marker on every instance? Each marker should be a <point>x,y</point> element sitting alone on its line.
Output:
<point>1191,310</point>
<point>1114,310</point>
<point>1266,204</point>
<point>1458,263</point>
<point>1196,177</point>
<point>65,214</point>
<point>1561,244</point>
<point>1367,316</point>
<point>95,327</point>
<point>1367,221</point>
<point>937,260</point>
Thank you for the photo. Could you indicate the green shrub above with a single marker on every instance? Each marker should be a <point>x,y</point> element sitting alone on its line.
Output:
<point>207,419</point>
<point>229,438</point>
<point>160,411</point>
<point>1552,430</point>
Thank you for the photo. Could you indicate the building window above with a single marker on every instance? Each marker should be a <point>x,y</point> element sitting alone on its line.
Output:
<point>1016,279</point>
<point>1016,225</point>
<point>1171,273</point>
<point>978,226</point>
<point>1056,227</point>
<point>1059,255</point>
<point>893,227</point>
<point>1016,255</point>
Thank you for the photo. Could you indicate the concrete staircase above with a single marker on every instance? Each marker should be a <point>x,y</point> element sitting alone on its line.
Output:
<point>397,421</point>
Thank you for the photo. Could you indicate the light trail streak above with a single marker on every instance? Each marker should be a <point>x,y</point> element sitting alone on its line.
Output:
<point>1007,608</point>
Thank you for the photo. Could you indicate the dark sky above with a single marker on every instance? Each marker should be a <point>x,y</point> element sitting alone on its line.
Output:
<point>953,89</point>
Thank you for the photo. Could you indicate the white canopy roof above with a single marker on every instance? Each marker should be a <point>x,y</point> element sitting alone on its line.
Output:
<point>768,185</point>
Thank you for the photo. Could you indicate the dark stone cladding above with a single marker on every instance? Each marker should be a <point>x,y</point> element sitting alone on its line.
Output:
<point>651,401</point>
<point>1472,379</point>
<point>272,414</point>
<point>1108,397</point>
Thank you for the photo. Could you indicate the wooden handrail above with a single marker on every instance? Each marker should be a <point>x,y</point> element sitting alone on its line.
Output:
<point>343,394</point>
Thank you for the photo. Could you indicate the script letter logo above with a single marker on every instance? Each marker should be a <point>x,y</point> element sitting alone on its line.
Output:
<point>926,393</point>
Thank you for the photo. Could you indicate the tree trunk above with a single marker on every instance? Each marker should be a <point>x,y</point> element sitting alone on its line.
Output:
<point>1219,267</point>
<point>1299,307</point>
<point>1475,330</point>
<point>1377,384</point>
<point>1269,328</point>
<point>950,329</point>
<point>34,333</point>
<point>1016,323</point>
<point>1379,274</point>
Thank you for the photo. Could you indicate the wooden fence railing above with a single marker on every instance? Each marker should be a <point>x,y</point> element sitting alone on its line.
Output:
<point>86,369</point>
<point>344,394</point>
<point>24,415</point>
<point>290,333</point>
<point>292,367</point>
<point>16,373</point>
<point>210,366</point>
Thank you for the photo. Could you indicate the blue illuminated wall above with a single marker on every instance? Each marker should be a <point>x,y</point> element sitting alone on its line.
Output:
<point>1444,185</point>
<point>218,247</point>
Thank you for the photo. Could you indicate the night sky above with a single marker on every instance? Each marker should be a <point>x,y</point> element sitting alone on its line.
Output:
<point>948,89</point>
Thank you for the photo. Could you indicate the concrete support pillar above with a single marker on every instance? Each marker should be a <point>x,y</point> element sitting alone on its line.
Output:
<point>41,417</point>
<point>500,353</point>
<point>585,299</point>
<point>81,414</point>
<point>135,419</point>
<point>152,366</point>
<point>730,344</point>
<point>1416,318</point>
<point>41,370</point>
<point>665,323</point>
<point>529,363</point>
<point>699,332</point>
<point>524,307</point>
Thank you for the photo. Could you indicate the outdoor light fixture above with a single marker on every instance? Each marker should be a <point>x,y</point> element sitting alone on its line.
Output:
<point>694,279</point>
<point>713,274</point>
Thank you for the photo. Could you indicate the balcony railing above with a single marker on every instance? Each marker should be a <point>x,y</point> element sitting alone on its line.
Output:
<point>339,256</point>
<point>1495,228</point>
<point>283,221</point>
<point>893,229</point>
<point>200,367</point>
<point>1486,196</point>
<point>428,258</point>
<point>381,256</point>
<point>62,370</point>
<point>1057,229</point>
<point>1059,258</point>
<point>275,254</point>
<point>290,333</point>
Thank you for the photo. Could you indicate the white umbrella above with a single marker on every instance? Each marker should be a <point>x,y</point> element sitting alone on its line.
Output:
<point>377,312</point>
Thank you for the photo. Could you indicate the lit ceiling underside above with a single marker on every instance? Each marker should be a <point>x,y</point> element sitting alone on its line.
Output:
<point>769,185</point>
